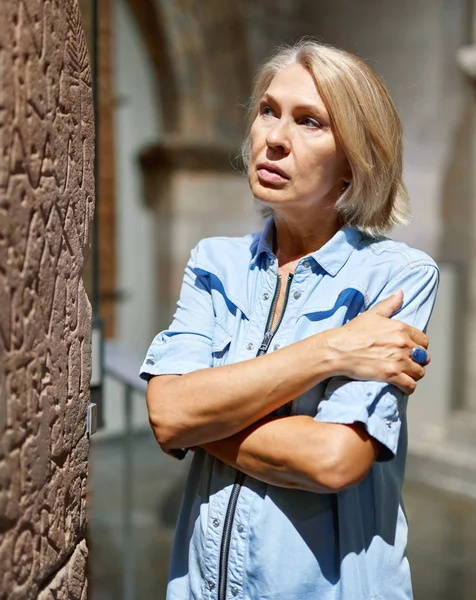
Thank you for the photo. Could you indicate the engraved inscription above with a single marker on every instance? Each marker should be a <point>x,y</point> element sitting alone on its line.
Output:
<point>46,209</point>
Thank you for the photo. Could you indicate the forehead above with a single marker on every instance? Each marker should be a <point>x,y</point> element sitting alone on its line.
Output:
<point>295,85</point>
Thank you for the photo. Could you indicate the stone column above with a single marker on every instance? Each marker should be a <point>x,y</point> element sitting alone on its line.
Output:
<point>46,208</point>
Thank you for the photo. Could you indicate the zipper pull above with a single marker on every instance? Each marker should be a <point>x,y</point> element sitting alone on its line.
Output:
<point>268,336</point>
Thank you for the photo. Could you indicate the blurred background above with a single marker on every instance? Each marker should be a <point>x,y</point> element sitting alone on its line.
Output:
<point>172,79</point>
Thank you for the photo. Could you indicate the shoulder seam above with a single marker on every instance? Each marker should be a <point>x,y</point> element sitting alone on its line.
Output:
<point>412,265</point>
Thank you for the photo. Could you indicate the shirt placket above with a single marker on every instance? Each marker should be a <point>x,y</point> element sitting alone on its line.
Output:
<point>212,545</point>
<point>294,305</point>
<point>239,544</point>
<point>266,287</point>
<point>251,343</point>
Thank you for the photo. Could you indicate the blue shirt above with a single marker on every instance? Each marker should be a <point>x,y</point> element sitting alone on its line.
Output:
<point>288,544</point>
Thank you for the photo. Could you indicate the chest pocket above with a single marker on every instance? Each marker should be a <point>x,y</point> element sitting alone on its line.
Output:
<point>220,345</point>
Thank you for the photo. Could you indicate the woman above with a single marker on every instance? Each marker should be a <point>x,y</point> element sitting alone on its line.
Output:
<point>281,367</point>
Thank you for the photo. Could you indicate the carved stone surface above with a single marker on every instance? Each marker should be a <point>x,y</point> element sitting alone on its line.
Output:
<point>68,583</point>
<point>46,208</point>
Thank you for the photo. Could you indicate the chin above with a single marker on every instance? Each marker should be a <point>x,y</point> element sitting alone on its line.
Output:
<point>267,196</point>
<point>271,200</point>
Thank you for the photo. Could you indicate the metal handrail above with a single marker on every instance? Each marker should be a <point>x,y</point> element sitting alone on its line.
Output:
<point>123,366</point>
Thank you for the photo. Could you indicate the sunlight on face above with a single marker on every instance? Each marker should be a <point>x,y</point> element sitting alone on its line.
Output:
<point>295,158</point>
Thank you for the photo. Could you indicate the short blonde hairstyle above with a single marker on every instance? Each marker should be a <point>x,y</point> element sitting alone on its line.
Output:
<point>364,120</point>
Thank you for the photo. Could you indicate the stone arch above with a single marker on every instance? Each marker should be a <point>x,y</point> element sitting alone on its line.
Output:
<point>151,25</point>
<point>200,55</point>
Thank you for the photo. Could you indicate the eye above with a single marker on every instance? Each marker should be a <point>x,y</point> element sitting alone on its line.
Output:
<point>310,122</point>
<point>266,110</point>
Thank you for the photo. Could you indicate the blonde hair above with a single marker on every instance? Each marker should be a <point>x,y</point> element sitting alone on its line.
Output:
<point>365,121</point>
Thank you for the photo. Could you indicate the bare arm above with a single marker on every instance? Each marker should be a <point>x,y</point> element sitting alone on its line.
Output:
<point>211,404</point>
<point>297,452</point>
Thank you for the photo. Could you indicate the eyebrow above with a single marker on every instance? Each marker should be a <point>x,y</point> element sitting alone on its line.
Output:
<point>310,108</point>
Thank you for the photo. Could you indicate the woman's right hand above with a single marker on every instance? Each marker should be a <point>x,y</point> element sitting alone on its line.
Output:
<point>374,347</point>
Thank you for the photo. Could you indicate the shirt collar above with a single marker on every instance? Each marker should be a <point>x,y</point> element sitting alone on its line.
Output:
<point>265,241</point>
<point>331,257</point>
<point>336,252</point>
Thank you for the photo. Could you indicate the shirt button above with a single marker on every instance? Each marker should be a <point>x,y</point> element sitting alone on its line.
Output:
<point>240,528</point>
<point>388,424</point>
<point>297,295</point>
<point>265,296</point>
<point>250,346</point>
<point>234,591</point>
<point>211,585</point>
<point>306,264</point>
<point>149,361</point>
<point>216,523</point>
<point>276,347</point>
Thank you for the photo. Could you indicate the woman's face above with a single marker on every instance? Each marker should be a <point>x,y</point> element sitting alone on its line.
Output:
<point>295,158</point>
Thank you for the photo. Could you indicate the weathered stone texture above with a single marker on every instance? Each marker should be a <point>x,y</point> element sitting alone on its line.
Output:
<point>68,582</point>
<point>46,207</point>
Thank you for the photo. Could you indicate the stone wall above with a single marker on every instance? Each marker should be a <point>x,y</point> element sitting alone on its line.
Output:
<point>46,208</point>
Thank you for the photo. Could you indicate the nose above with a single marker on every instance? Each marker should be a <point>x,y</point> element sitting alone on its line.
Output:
<point>278,136</point>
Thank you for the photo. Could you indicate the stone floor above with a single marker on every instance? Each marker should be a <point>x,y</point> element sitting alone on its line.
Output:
<point>442,545</point>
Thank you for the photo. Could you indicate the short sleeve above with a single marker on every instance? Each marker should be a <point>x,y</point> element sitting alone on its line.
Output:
<point>381,407</point>
<point>187,345</point>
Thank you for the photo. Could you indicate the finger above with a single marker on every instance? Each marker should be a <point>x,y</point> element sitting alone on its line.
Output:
<point>418,337</point>
<point>414,370</point>
<point>405,383</point>
<point>421,374</point>
<point>387,307</point>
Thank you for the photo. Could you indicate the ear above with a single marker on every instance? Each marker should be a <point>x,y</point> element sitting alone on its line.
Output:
<point>346,179</point>
<point>347,176</point>
<point>345,185</point>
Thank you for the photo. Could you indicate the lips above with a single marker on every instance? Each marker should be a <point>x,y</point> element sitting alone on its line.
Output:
<point>270,173</point>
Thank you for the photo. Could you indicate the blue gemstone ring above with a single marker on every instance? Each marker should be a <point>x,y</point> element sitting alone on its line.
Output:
<point>419,355</point>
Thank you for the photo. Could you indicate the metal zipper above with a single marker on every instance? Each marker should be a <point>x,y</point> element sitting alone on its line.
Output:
<point>235,492</point>
<point>226,537</point>
<point>268,334</point>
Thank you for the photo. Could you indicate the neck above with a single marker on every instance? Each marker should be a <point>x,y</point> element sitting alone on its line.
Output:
<point>296,237</point>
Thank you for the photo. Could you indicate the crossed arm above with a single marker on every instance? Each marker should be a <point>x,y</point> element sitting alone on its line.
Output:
<point>297,452</point>
<point>224,410</point>
<point>292,452</point>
